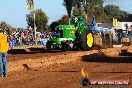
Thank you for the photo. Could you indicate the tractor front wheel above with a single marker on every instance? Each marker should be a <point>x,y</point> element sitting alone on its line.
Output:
<point>67,45</point>
<point>48,46</point>
<point>87,40</point>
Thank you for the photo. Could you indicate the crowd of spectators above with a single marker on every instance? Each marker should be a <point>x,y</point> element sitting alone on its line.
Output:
<point>26,36</point>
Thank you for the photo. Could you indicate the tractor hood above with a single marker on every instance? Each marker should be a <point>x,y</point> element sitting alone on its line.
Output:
<point>61,27</point>
<point>59,40</point>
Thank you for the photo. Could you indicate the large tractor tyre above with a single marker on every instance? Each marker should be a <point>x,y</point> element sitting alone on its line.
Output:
<point>87,40</point>
<point>48,46</point>
<point>67,45</point>
<point>63,44</point>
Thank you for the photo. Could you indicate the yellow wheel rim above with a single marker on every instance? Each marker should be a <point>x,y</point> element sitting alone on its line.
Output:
<point>89,40</point>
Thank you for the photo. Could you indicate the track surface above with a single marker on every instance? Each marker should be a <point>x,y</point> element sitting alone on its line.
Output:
<point>63,69</point>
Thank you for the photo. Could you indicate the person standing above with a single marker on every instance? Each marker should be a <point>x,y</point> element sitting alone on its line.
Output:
<point>3,54</point>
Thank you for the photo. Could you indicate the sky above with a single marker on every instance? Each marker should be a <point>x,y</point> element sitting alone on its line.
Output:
<point>14,11</point>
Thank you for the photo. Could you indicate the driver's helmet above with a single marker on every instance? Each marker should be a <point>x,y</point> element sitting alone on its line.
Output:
<point>76,18</point>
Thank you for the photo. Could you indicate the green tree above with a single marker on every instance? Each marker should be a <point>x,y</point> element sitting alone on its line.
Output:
<point>91,7</point>
<point>77,11</point>
<point>95,8</point>
<point>6,26</point>
<point>130,17</point>
<point>41,20</point>
<point>78,3</point>
<point>113,10</point>
<point>63,20</point>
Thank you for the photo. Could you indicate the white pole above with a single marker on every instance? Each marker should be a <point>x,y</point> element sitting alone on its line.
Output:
<point>85,13</point>
<point>69,21</point>
<point>35,29</point>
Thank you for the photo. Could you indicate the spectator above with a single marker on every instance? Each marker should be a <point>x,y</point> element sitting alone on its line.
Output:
<point>3,54</point>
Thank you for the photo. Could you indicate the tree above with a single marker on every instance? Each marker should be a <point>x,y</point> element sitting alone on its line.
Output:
<point>6,27</point>
<point>41,20</point>
<point>114,11</point>
<point>91,7</point>
<point>78,3</point>
<point>63,20</point>
<point>77,11</point>
<point>130,17</point>
<point>95,8</point>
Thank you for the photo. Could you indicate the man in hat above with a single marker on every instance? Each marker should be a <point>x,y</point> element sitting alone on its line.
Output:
<point>3,54</point>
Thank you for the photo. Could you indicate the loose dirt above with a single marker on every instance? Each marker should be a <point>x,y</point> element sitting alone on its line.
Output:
<point>42,69</point>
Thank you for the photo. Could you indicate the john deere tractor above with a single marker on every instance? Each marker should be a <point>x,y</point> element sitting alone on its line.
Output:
<point>76,35</point>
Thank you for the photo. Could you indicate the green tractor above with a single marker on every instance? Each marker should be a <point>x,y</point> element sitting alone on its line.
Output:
<point>76,35</point>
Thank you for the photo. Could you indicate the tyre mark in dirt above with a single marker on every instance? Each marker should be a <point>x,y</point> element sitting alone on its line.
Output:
<point>43,61</point>
<point>111,67</point>
<point>116,76</point>
<point>14,57</point>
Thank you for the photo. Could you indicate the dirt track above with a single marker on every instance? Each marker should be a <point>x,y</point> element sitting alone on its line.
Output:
<point>63,69</point>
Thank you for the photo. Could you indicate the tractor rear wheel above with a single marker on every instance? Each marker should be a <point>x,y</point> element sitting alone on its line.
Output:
<point>87,40</point>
